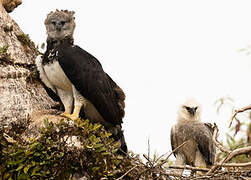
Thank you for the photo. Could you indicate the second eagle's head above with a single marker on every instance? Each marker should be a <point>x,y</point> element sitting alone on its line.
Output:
<point>189,111</point>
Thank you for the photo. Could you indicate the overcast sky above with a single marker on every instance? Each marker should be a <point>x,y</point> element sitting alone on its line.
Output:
<point>160,52</point>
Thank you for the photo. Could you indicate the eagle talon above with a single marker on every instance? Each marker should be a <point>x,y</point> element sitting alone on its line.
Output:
<point>70,116</point>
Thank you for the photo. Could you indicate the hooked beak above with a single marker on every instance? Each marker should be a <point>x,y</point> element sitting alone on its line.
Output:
<point>58,27</point>
<point>192,110</point>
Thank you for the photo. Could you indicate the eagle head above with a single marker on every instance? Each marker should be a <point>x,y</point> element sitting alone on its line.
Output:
<point>189,111</point>
<point>60,24</point>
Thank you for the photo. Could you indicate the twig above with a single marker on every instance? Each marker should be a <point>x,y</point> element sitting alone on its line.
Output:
<point>244,178</point>
<point>121,177</point>
<point>188,167</point>
<point>234,164</point>
<point>217,143</point>
<point>221,147</point>
<point>238,111</point>
<point>165,161</point>
<point>148,160</point>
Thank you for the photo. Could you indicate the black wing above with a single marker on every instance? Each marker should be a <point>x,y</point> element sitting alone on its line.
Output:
<point>89,78</point>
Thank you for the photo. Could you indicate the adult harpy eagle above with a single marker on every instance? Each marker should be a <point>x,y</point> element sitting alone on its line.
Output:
<point>200,149</point>
<point>78,78</point>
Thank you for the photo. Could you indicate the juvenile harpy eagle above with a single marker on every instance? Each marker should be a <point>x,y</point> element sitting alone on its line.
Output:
<point>78,78</point>
<point>200,149</point>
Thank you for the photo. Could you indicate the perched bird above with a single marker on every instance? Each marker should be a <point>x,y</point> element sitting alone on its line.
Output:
<point>199,149</point>
<point>78,79</point>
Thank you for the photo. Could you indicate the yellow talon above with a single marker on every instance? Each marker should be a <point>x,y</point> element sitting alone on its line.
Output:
<point>70,116</point>
<point>65,114</point>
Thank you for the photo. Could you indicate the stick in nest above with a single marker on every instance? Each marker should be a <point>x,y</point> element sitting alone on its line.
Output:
<point>230,156</point>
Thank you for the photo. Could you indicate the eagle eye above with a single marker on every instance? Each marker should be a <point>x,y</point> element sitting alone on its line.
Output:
<point>53,22</point>
<point>187,108</point>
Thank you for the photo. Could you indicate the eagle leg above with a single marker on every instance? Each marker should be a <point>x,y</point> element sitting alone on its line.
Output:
<point>74,115</point>
<point>67,100</point>
<point>67,112</point>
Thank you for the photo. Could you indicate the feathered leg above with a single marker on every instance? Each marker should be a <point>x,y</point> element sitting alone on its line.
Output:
<point>199,161</point>
<point>181,161</point>
<point>79,101</point>
<point>67,100</point>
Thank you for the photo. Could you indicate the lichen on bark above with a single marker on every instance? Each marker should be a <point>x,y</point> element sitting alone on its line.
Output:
<point>21,94</point>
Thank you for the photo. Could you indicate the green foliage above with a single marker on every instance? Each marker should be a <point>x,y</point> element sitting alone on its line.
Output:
<point>232,144</point>
<point>24,39</point>
<point>27,43</point>
<point>55,156</point>
<point>3,49</point>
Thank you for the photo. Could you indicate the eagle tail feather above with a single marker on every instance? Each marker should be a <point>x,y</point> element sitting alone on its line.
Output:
<point>118,135</point>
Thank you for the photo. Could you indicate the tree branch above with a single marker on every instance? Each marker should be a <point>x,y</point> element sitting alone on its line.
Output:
<point>231,155</point>
<point>238,111</point>
<point>238,151</point>
<point>217,143</point>
<point>234,164</point>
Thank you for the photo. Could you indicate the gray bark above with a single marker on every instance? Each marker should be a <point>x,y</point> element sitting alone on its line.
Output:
<point>21,93</point>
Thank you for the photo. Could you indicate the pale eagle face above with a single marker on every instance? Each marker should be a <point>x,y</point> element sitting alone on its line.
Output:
<point>189,111</point>
<point>60,24</point>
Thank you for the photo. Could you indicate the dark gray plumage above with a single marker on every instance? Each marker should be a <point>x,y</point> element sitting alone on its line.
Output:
<point>200,149</point>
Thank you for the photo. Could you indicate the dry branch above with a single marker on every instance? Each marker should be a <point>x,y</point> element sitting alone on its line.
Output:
<point>236,112</point>
<point>238,151</point>
<point>230,156</point>
<point>165,161</point>
<point>234,164</point>
<point>217,143</point>
<point>121,177</point>
<point>188,167</point>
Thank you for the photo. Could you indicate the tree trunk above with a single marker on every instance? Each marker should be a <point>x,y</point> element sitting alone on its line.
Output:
<point>21,94</point>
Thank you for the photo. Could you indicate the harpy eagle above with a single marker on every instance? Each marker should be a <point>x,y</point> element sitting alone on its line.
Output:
<point>200,149</point>
<point>78,78</point>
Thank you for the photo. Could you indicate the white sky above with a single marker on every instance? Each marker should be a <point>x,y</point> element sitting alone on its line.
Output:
<point>160,52</point>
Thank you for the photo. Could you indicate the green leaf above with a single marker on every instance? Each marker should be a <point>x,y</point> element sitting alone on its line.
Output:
<point>98,145</point>
<point>106,153</point>
<point>34,145</point>
<point>96,126</point>
<point>20,167</point>
<point>34,171</point>
<point>95,168</point>
<point>61,154</point>
<point>105,135</point>
<point>26,169</point>
<point>37,154</point>
<point>120,157</point>
<point>101,149</point>
<point>22,176</point>
<point>89,147</point>
<point>27,153</point>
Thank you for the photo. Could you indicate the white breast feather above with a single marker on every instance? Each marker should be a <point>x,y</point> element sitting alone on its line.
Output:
<point>57,77</point>
<point>42,74</point>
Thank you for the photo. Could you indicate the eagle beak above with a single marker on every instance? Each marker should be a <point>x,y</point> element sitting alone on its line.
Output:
<point>192,111</point>
<point>58,27</point>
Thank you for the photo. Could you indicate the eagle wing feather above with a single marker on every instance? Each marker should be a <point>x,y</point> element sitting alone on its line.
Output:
<point>87,75</point>
<point>201,134</point>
